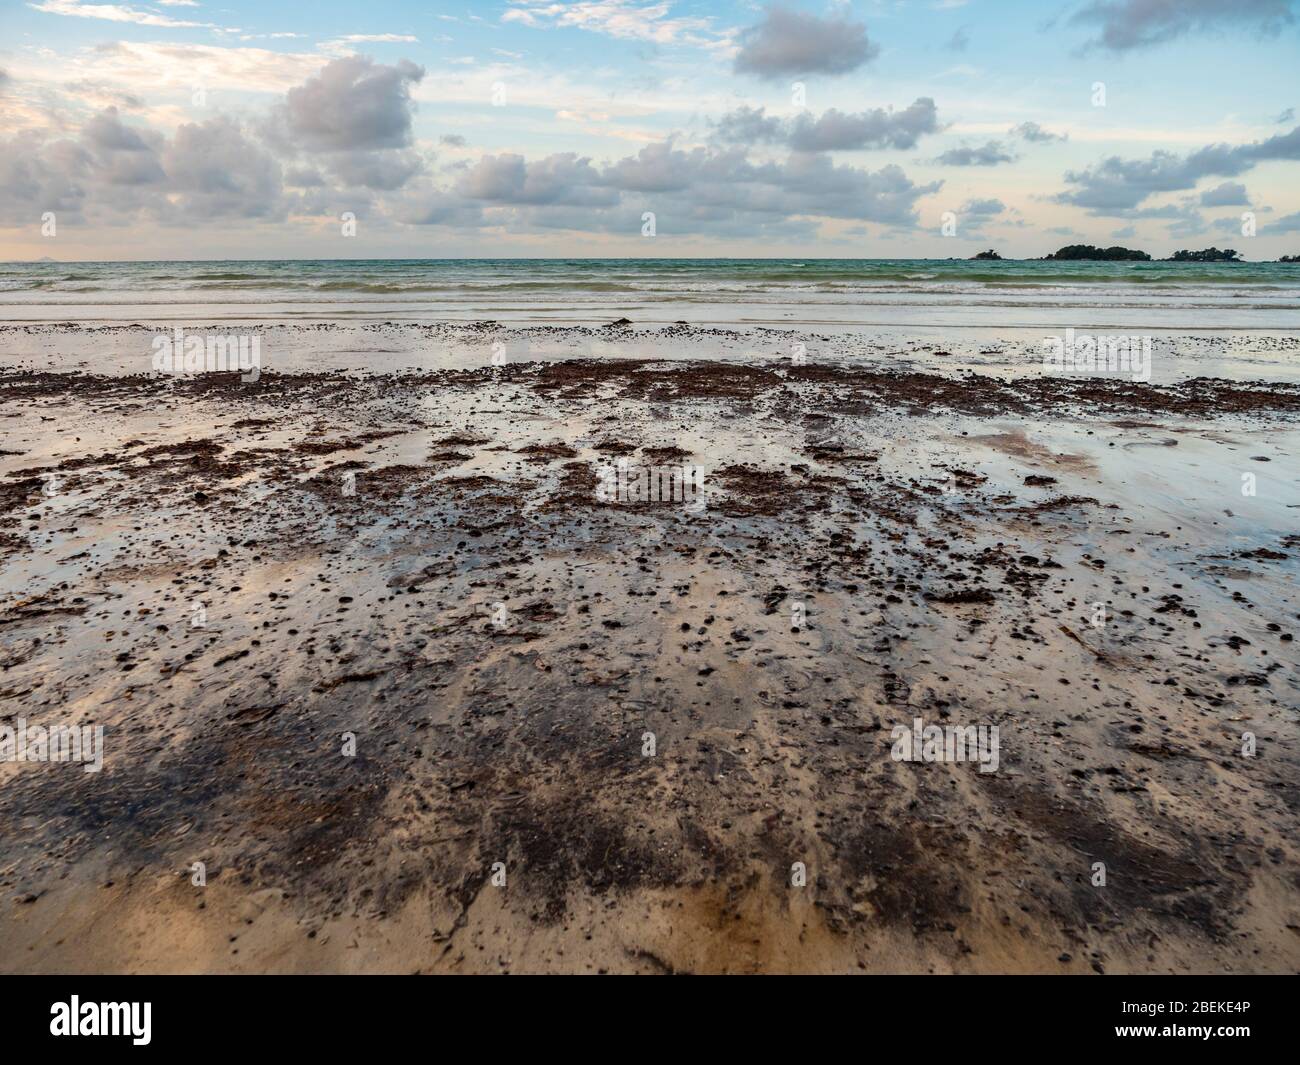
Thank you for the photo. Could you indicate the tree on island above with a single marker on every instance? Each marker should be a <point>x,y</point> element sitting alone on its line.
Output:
<point>1087,251</point>
<point>1290,259</point>
<point>1206,255</point>
<point>990,254</point>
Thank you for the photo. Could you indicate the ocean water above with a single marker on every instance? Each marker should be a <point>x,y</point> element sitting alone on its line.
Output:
<point>901,293</point>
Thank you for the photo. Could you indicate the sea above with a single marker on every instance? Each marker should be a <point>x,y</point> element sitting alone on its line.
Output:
<point>888,293</point>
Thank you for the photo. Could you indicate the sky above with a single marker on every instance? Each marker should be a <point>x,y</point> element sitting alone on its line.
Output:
<point>183,129</point>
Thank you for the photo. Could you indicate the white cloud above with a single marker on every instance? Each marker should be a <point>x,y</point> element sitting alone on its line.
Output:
<point>150,68</point>
<point>341,46</point>
<point>115,13</point>
<point>625,19</point>
<point>353,38</point>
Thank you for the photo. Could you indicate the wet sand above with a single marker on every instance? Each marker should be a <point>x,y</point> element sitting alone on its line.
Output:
<point>875,546</point>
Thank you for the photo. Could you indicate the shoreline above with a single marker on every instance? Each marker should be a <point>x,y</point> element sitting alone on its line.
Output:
<point>384,345</point>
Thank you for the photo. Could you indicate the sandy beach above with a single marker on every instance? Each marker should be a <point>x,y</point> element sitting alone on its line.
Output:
<point>389,682</point>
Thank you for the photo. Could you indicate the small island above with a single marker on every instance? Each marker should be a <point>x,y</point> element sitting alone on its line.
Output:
<point>1206,255</point>
<point>990,254</point>
<point>1290,259</point>
<point>1088,252</point>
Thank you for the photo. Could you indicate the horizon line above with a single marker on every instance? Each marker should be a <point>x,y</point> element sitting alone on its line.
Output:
<point>632,259</point>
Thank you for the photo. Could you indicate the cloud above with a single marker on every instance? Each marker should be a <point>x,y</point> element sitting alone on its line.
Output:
<point>1289,223</point>
<point>345,129</point>
<point>37,177</point>
<point>116,13</point>
<point>379,38</point>
<point>353,118</point>
<point>959,41</point>
<point>352,104</point>
<point>1188,222</point>
<point>1129,24</point>
<point>1036,134</point>
<point>834,130</point>
<point>433,207</point>
<point>304,178</point>
<point>790,43</point>
<point>989,154</point>
<point>113,174</point>
<point>985,208</point>
<point>564,178</point>
<point>99,94</point>
<point>1286,116</point>
<point>727,181</point>
<point>1118,186</point>
<point>1229,194</point>
<point>148,68</point>
<point>750,125</point>
<point>691,191</point>
<point>625,19</point>
<point>342,139</point>
<point>978,212</point>
<point>813,184</point>
<point>206,186</point>
<point>375,170</point>
<point>662,168</point>
<point>346,45</point>
<point>452,140</point>
<point>867,129</point>
<point>123,156</point>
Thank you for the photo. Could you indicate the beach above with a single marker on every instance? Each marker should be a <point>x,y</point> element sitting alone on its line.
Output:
<point>608,636</point>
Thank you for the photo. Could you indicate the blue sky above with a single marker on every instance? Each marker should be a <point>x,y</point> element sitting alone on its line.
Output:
<point>186,129</point>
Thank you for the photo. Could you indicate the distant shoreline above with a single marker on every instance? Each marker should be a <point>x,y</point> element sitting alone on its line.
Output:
<point>626,259</point>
